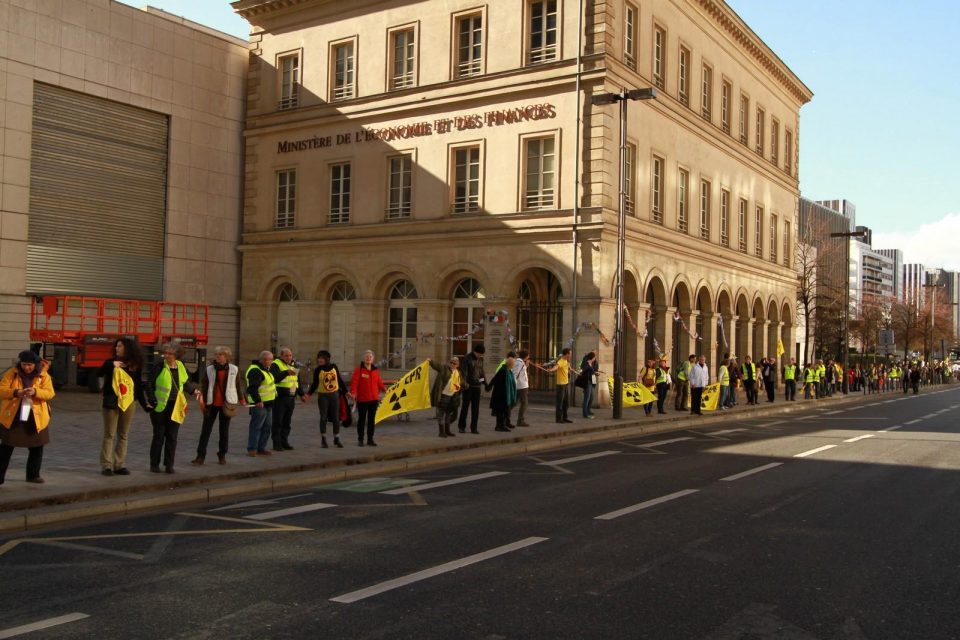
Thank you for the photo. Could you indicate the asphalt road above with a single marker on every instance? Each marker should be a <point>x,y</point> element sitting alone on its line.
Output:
<point>832,523</point>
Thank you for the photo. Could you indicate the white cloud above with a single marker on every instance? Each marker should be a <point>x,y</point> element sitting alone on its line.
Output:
<point>935,244</point>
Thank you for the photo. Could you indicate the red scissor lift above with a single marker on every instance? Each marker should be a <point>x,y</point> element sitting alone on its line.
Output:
<point>77,333</point>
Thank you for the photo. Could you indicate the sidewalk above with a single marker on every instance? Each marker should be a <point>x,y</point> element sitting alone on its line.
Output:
<point>72,471</point>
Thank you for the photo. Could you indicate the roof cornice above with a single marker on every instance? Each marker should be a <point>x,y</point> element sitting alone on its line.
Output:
<point>250,9</point>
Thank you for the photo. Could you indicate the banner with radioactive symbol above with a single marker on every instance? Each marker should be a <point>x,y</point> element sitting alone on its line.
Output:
<point>711,397</point>
<point>634,393</point>
<point>409,393</point>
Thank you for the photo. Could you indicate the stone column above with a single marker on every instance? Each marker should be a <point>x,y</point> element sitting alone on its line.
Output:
<point>708,342</point>
<point>666,318</point>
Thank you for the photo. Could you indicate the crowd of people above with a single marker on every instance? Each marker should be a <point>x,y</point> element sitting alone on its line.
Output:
<point>270,387</point>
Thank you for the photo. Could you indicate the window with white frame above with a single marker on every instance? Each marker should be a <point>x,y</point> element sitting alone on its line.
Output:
<point>683,91</point>
<point>466,179</point>
<point>402,326</point>
<point>773,237</point>
<point>289,65</point>
<point>742,226</point>
<point>339,193</point>
<point>629,184</point>
<point>724,217</point>
<point>774,142</point>
<point>403,58</point>
<point>758,232</point>
<point>631,22</point>
<point>343,71</point>
<point>539,191</point>
<point>726,95</point>
<point>744,120</point>
<point>469,45</point>
<point>656,190</point>
<point>400,186</point>
<point>468,309</point>
<point>705,209</point>
<point>706,93</point>
<point>761,126</point>
<point>683,187</point>
<point>286,208</point>
<point>659,51</point>
<point>543,31</point>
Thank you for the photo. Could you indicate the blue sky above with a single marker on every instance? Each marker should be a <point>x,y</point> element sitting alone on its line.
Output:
<point>884,125</point>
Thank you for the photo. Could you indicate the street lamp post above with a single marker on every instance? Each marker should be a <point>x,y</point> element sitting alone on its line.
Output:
<point>610,98</point>
<point>846,298</point>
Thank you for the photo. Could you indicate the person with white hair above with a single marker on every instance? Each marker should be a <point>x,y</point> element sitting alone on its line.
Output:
<point>166,398</point>
<point>261,394</point>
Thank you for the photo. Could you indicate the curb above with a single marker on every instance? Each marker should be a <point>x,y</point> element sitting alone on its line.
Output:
<point>32,514</point>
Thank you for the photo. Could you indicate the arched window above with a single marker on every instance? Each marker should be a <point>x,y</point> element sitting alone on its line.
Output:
<point>286,318</point>
<point>468,309</point>
<point>343,291</point>
<point>402,326</point>
<point>524,315</point>
<point>288,293</point>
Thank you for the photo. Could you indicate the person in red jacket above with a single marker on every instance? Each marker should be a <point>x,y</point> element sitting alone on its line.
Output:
<point>365,389</point>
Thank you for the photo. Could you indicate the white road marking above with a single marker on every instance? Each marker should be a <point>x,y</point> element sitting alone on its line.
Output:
<point>444,483</point>
<point>280,513</point>
<point>659,443</point>
<point>893,428</point>
<point>646,505</point>
<point>43,624</point>
<point>859,438</point>
<point>259,503</point>
<point>389,585</point>
<point>830,413</point>
<point>888,401</point>
<point>813,451</point>
<point>750,472</point>
<point>724,432</point>
<point>914,421</point>
<point>928,416</point>
<point>589,456</point>
<point>91,549</point>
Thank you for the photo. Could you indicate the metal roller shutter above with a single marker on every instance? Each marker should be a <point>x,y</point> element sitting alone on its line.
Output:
<point>98,182</point>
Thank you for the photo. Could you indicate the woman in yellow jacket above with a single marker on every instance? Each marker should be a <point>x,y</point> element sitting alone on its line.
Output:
<point>25,390</point>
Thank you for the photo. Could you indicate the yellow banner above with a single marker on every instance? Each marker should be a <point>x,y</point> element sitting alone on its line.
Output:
<point>780,349</point>
<point>123,387</point>
<point>409,393</point>
<point>180,408</point>
<point>711,397</point>
<point>634,393</point>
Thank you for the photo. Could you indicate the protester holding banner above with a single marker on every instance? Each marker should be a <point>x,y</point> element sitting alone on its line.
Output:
<point>663,384</point>
<point>25,390</point>
<point>445,394</point>
<point>328,385</point>
<point>221,387</point>
<point>504,394</point>
<point>122,386</point>
<point>165,394</point>
<point>365,388</point>
<point>699,379</point>
<point>562,369</point>
<point>648,378</point>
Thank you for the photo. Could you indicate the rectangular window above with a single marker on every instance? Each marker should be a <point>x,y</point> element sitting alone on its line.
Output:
<point>788,152</point>
<point>403,59</point>
<point>469,45</point>
<point>539,192</point>
<point>631,21</point>
<point>344,75</point>
<point>400,186</point>
<point>466,179</point>
<point>725,217</point>
<point>683,92</point>
<point>704,209</point>
<point>286,198</point>
<point>403,332</point>
<point>683,186</point>
<point>629,184</point>
<point>706,94</point>
<point>758,233</point>
<point>289,80</point>
<point>543,31</point>
<point>659,51</point>
<point>339,193</point>
<point>726,94</point>
<point>774,142</point>
<point>744,120</point>
<point>761,126</point>
<point>773,237</point>
<point>786,243</point>
<point>656,191</point>
<point>742,226</point>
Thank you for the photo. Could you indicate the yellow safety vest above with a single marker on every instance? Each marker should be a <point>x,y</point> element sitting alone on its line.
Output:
<point>661,375</point>
<point>724,376</point>
<point>789,371</point>
<point>267,390</point>
<point>164,384</point>
<point>285,382</point>
<point>752,368</point>
<point>810,375</point>
<point>684,369</point>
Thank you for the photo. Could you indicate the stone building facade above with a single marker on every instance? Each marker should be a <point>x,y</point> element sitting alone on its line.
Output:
<point>413,168</point>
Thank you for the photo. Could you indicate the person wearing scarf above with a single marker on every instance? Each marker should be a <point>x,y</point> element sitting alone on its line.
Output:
<point>25,390</point>
<point>504,393</point>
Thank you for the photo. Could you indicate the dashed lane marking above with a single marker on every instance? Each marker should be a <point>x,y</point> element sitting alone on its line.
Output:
<point>645,505</point>
<point>658,443</point>
<point>42,624</point>
<point>396,583</point>
<point>291,511</point>
<point>589,456</point>
<point>750,472</point>
<point>859,438</point>
<point>813,451</point>
<point>444,483</point>
<point>914,421</point>
<point>893,428</point>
